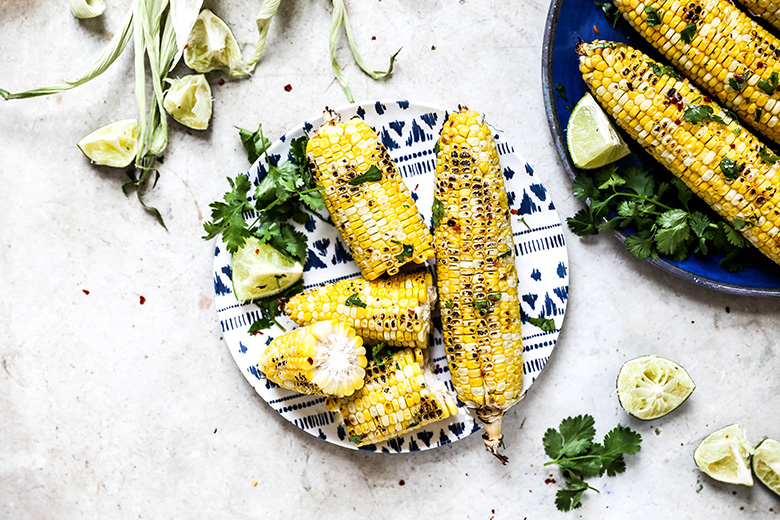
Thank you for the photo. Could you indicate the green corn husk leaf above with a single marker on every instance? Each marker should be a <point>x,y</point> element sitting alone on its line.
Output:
<point>340,17</point>
<point>87,8</point>
<point>98,67</point>
<point>263,19</point>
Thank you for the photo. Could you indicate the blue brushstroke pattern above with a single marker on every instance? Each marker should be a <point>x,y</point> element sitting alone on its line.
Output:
<point>313,262</point>
<point>361,112</point>
<point>403,104</point>
<point>551,207</point>
<point>425,437</point>
<point>510,198</point>
<point>341,255</point>
<point>273,159</point>
<point>528,169</point>
<point>307,127</point>
<point>220,289</point>
<point>216,251</point>
<point>311,224</point>
<point>562,293</point>
<point>561,270</point>
<point>388,141</point>
<point>414,196</point>
<point>241,348</point>
<point>417,134</point>
<point>228,272</point>
<point>379,107</point>
<point>539,191</point>
<point>430,119</point>
<point>508,173</point>
<point>458,428</point>
<point>550,309</point>
<point>527,205</point>
<point>322,246</point>
<point>398,126</point>
<point>255,372</point>
<point>530,299</point>
<point>536,275</point>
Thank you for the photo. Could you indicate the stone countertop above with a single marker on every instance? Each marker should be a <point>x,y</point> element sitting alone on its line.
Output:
<point>116,409</point>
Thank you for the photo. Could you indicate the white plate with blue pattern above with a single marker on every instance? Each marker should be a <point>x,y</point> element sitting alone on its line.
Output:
<point>409,131</point>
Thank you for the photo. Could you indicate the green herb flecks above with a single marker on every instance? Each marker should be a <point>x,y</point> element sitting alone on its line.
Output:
<point>700,114</point>
<point>485,306</point>
<point>688,33</point>
<point>546,324</point>
<point>373,174</point>
<point>407,250</point>
<point>759,113</point>
<point>354,300</point>
<point>436,147</point>
<point>270,308</point>
<point>448,304</point>
<point>561,90</point>
<point>437,212</point>
<point>611,12</point>
<point>357,439</point>
<point>381,353</point>
<point>768,156</point>
<point>769,86</point>
<point>662,70</point>
<point>653,16</point>
<point>505,254</point>
<point>664,216</point>
<point>603,45</point>
<point>738,81</point>
<point>730,168</point>
<point>572,449</point>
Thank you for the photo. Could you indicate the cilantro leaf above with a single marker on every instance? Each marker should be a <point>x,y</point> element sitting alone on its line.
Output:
<point>688,33</point>
<point>700,114</point>
<point>684,193</point>
<point>638,180</point>
<point>611,12</point>
<point>354,300</point>
<point>768,156</point>
<point>407,250</point>
<point>583,188</point>
<point>621,440</point>
<point>553,443</point>
<point>373,174</point>
<point>380,353</point>
<point>227,217</point>
<point>674,231</point>
<point>662,70</point>
<point>733,236</point>
<point>738,81</point>
<point>642,244</point>
<point>437,211</point>
<point>607,177</point>
<point>289,242</point>
<point>729,167</point>
<point>546,324</point>
<point>254,143</point>
<point>578,434</point>
<point>769,86</point>
<point>653,16</point>
<point>561,90</point>
<point>582,223</point>
<point>270,307</point>
<point>568,499</point>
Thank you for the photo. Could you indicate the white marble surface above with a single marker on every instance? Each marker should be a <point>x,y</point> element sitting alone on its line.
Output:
<point>112,409</point>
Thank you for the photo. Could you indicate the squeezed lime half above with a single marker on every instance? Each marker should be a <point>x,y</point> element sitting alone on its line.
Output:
<point>725,456</point>
<point>650,387</point>
<point>766,464</point>
<point>259,270</point>
<point>591,138</point>
<point>113,145</point>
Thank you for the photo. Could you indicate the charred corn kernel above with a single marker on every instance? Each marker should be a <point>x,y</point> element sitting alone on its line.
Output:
<point>729,55</point>
<point>769,10</point>
<point>475,267</point>
<point>377,218</point>
<point>325,358</point>
<point>719,160</point>
<point>396,310</point>
<point>398,396</point>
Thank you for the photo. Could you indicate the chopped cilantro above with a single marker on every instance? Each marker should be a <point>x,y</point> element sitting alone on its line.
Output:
<point>662,70</point>
<point>546,324</point>
<point>688,33</point>
<point>759,113</point>
<point>381,353</point>
<point>700,114</point>
<point>768,156</point>
<point>438,212</point>
<point>357,439</point>
<point>448,304</point>
<point>738,81</point>
<point>610,11</point>
<point>354,300</point>
<point>407,250</point>
<point>372,175</point>
<point>729,167</point>
<point>561,90</point>
<point>769,86</point>
<point>653,16</point>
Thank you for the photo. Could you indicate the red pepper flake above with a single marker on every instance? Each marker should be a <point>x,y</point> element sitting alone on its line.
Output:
<point>85,291</point>
<point>410,311</point>
<point>186,46</point>
<point>255,333</point>
<point>549,481</point>
<point>415,188</point>
<point>142,300</point>
<point>373,38</point>
<point>401,482</point>
<point>456,229</point>
<point>287,88</point>
<point>310,361</point>
<point>760,65</point>
<point>707,99</point>
<point>733,145</point>
<point>513,211</point>
<point>681,444</point>
<point>596,30</point>
<point>257,251</point>
<point>221,81</point>
<point>677,122</point>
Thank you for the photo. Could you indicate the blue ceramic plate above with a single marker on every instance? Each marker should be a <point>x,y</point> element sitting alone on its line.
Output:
<point>409,131</point>
<point>568,21</point>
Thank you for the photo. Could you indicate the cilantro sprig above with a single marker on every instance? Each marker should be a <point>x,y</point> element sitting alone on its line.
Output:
<point>571,448</point>
<point>611,12</point>
<point>664,217</point>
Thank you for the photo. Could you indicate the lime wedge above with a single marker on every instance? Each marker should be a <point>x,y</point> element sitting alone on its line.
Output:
<point>112,145</point>
<point>650,387</point>
<point>211,45</point>
<point>259,270</point>
<point>725,456</point>
<point>766,464</point>
<point>188,101</point>
<point>591,138</point>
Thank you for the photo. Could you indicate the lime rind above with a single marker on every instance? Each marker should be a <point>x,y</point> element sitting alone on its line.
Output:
<point>650,387</point>
<point>188,101</point>
<point>591,138</point>
<point>259,270</point>
<point>212,46</point>
<point>724,455</point>
<point>766,464</point>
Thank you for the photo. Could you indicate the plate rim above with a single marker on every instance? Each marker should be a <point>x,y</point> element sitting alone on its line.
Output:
<point>550,30</point>
<point>475,426</point>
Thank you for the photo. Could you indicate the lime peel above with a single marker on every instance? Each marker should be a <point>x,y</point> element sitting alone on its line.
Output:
<point>188,101</point>
<point>650,387</point>
<point>766,464</point>
<point>113,145</point>
<point>725,455</point>
<point>591,138</point>
<point>259,270</point>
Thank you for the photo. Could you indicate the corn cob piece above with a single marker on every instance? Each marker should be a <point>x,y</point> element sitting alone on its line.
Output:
<point>715,157</point>
<point>398,396</point>
<point>477,278</point>
<point>729,55</point>
<point>396,311</point>
<point>769,10</point>
<point>366,197</point>
<point>326,358</point>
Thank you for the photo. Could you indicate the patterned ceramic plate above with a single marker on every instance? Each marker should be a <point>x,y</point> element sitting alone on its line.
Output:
<point>409,131</point>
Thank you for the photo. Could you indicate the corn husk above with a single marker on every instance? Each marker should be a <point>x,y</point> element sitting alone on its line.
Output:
<point>87,8</point>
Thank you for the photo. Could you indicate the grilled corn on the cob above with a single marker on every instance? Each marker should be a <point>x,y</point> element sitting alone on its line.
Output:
<point>719,48</point>
<point>326,358</point>
<point>769,10</point>
<point>396,311</point>
<point>366,197</point>
<point>695,139</point>
<point>398,396</point>
<point>476,272</point>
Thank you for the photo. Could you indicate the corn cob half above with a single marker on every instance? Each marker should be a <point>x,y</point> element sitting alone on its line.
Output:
<point>396,311</point>
<point>715,157</point>
<point>399,395</point>
<point>366,197</point>
<point>769,10</point>
<point>477,278</point>
<point>719,48</point>
<point>325,358</point>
